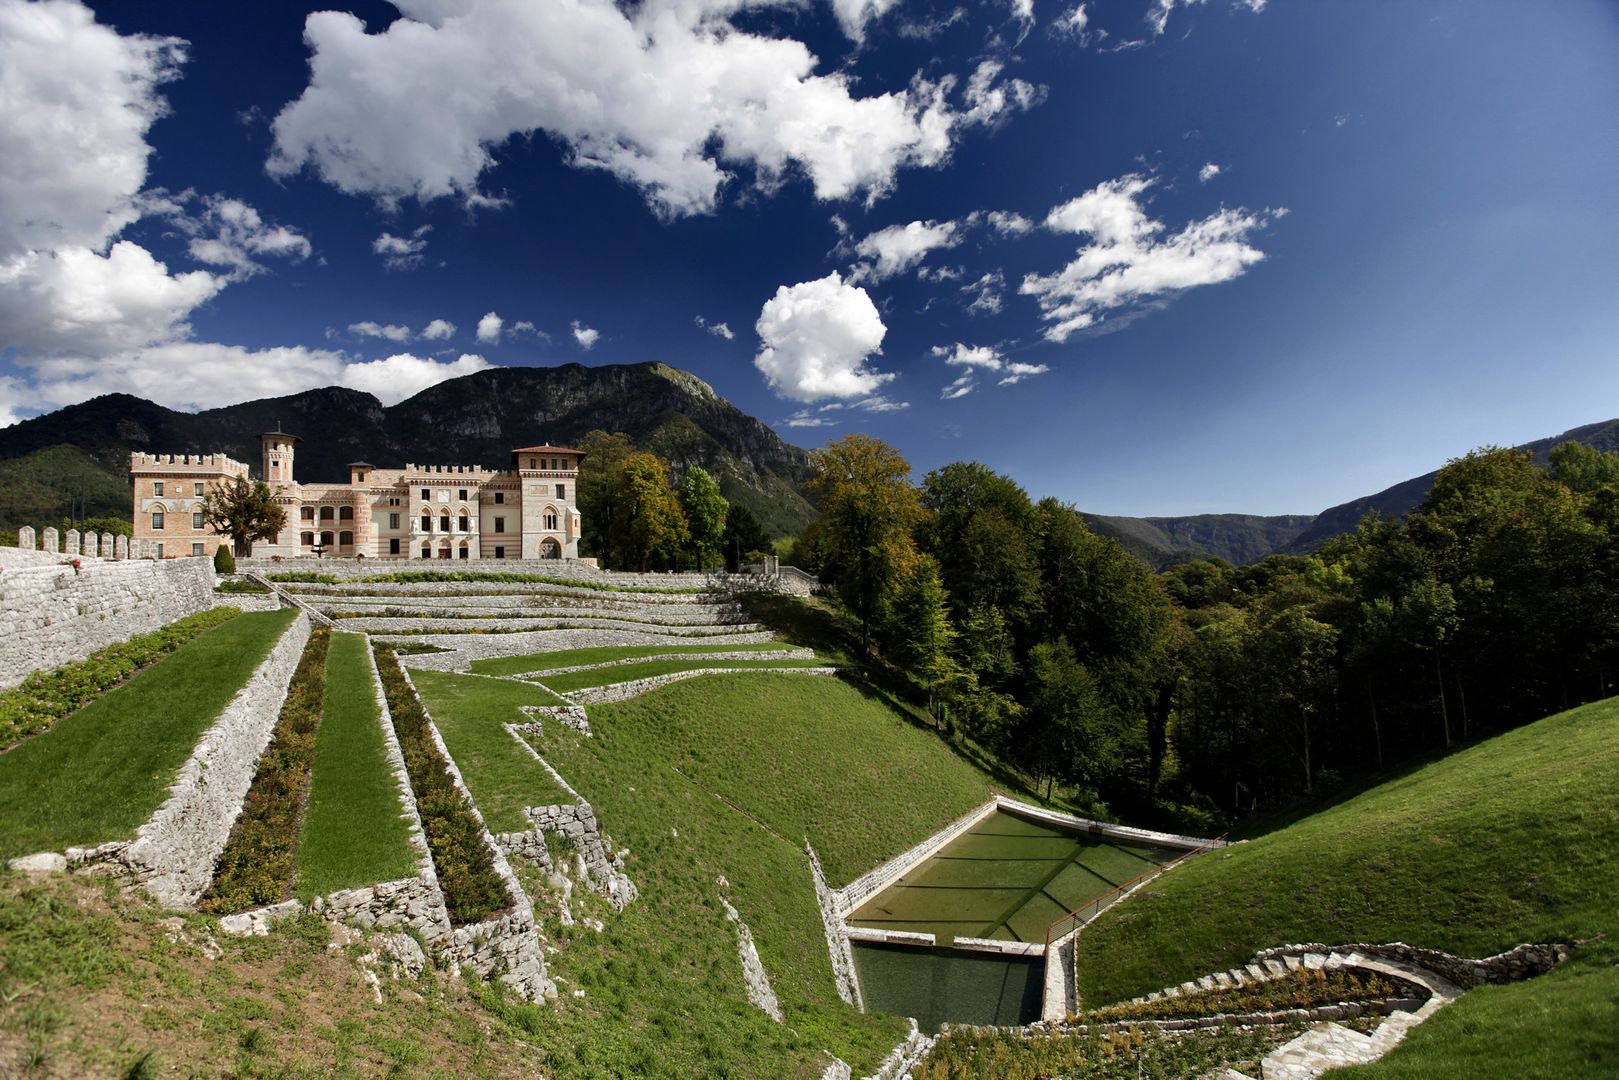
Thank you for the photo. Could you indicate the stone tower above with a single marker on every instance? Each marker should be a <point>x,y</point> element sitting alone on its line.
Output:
<point>278,458</point>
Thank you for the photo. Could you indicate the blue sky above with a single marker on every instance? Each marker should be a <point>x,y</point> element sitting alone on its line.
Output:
<point>1148,256</point>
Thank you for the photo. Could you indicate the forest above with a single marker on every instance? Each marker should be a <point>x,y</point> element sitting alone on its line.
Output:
<point>1209,692</point>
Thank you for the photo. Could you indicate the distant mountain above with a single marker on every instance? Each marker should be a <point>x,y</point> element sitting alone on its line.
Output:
<point>77,458</point>
<point>1243,538</point>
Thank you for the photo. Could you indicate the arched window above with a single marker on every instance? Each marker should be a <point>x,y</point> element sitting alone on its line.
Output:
<point>466,553</point>
<point>427,551</point>
<point>444,523</point>
<point>325,539</point>
<point>427,523</point>
<point>326,513</point>
<point>307,513</point>
<point>345,513</point>
<point>306,539</point>
<point>466,523</point>
<point>345,539</point>
<point>550,519</point>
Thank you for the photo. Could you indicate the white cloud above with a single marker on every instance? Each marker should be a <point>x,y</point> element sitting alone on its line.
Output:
<point>1131,259</point>
<point>898,248</point>
<point>402,252</point>
<point>853,15</point>
<point>1073,22</point>
<point>985,293</point>
<point>1009,222</point>
<point>1158,16</point>
<point>438,330</point>
<point>803,418</point>
<point>584,335</point>
<point>76,101</point>
<point>987,358</point>
<point>489,328</point>
<point>718,329</point>
<point>391,332</point>
<point>817,336</point>
<point>1209,171</point>
<point>667,95</point>
<point>395,378</point>
<point>229,233</point>
<point>1022,10</point>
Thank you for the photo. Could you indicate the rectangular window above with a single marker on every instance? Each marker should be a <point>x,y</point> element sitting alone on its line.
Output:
<point>427,523</point>
<point>196,488</point>
<point>196,519</point>
<point>461,494</point>
<point>393,545</point>
<point>196,549</point>
<point>562,491</point>
<point>157,489</point>
<point>500,524</point>
<point>160,551</point>
<point>500,496</point>
<point>157,519</point>
<point>500,552</point>
<point>427,494</point>
<point>393,523</point>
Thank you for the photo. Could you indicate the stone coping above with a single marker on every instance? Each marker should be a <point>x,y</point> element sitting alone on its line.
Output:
<point>462,649</point>
<point>622,691</point>
<point>483,627</point>
<point>786,652</point>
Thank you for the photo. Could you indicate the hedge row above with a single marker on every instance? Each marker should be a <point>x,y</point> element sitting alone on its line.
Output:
<point>260,858</point>
<point>46,697</point>
<point>466,870</point>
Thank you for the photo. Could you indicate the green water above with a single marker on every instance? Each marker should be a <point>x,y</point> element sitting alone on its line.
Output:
<point>939,985</point>
<point>1008,879</point>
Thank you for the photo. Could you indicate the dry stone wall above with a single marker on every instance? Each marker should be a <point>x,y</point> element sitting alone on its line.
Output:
<point>55,614</point>
<point>600,695</point>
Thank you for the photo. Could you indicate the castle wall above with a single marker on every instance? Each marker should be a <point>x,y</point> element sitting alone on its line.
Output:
<point>54,615</point>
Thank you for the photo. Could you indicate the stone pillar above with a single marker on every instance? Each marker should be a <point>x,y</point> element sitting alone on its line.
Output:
<point>106,545</point>
<point>137,548</point>
<point>53,543</point>
<point>121,547</point>
<point>92,545</point>
<point>25,538</point>
<point>72,542</point>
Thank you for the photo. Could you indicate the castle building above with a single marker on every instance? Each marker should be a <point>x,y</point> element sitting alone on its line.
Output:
<point>418,512</point>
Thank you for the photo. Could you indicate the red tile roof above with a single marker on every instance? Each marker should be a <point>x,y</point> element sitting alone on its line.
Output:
<point>546,448</point>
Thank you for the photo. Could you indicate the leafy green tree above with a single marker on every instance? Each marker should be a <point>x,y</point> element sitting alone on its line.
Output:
<point>705,510</point>
<point>647,521</point>
<point>743,535</point>
<point>868,510</point>
<point>923,637</point>
<point>1078,733</point>
<point>244,510</point>
<point>983,531</point>
<point>597,494</point>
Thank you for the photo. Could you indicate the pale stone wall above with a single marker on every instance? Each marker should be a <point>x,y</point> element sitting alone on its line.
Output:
<point>600,695</point>
<point>54,615</point>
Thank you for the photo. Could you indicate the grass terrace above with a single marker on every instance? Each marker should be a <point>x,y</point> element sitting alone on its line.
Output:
<point>102,771</point>
<point>354,832</point>
<point>409,577</point>
<point>550,661</point>
<point>580,680</point>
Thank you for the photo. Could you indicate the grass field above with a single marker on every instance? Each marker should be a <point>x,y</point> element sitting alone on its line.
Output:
<point>580,680</point>
<point>501,775</point>
<point>1514,839</point>
<point>549,661</point>
<point>354,831</point>
<point>102,771</point>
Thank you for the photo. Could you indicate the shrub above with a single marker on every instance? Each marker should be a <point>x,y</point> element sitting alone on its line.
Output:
<point>1303,989</point>
<point>466,869</point>
<point>224,561</point>
<point>45,697</point>
<point>241,586</point>
<point>260,857</point>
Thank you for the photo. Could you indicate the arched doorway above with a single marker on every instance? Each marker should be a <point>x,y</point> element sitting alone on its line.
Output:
<point>550,549</point>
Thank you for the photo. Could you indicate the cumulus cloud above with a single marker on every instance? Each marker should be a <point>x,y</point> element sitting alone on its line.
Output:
<point>985,294</point>
<point>438,330</point>
<point>76,101</point>
<point>718,329</point>
<point>1009,222</point>
<point>585,335</point>
<point>489,328</point>
<point>898,248</point>
<point>1209,171</point>
<point>816,338</point>
<point>1131,258</point>
<point>228,232</point>
<point>982,358</point>
<point>669,96</point>
<point>402,252</point>
<point>391,332</point>
<point>395,378</point>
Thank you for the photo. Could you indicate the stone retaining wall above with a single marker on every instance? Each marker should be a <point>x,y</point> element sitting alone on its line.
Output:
<point>1515,964</point>
<point>174,853</point>
<point>487,602</point>
<point>54,615</point>
<point>465,648</point>
<point>424,590</point>
<point>786,652</point>
<point>601,695</point>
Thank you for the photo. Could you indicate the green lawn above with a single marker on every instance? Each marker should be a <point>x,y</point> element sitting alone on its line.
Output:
<point>354,830</point>
<point>579,680</point>
<point>548,661</point>
<point>1515,839</point>
<point>501,775</point>
<point>102,771</point>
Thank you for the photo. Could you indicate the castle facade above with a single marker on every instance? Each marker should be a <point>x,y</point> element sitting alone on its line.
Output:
<point>458,512</point>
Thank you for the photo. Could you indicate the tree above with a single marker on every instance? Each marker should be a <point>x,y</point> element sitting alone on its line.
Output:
<point>983,531</point>
<point>923,637</point>
<point>647,520</point>
<point>1079,735</point>
<point>244,510</point>
<point>224,561</point>
<point>705,509</point>
<point>597,492</point>
<point>743,535</point>
<point>868,510</point>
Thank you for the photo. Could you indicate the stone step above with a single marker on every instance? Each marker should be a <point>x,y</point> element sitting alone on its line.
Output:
<point>1257,973</point>
<point>1276,968</point>
<point>1206,983</point>
<point>1293,963</point>
<point>1314,961</point>
<point>1223,979</point>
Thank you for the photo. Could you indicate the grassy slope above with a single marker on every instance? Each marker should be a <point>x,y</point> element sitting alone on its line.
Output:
<point>545,661</point>
<point>110,764</point>
<point>579,680</point>
<point>1515,839</point>
<point>354,832</point>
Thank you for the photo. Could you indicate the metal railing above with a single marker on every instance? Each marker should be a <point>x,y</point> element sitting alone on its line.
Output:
<point>1092,908</point>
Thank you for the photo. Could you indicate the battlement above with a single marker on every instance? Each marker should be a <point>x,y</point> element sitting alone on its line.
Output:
<point>180,463</point>
<point>446,470</point>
